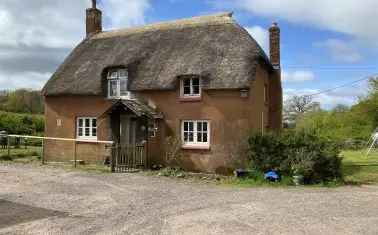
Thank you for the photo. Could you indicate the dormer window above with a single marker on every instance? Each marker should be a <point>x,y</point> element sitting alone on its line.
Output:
<point>190,87</point>
<point>117,84</point>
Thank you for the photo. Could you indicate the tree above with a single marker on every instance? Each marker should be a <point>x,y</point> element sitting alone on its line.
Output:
<point>296,107</point>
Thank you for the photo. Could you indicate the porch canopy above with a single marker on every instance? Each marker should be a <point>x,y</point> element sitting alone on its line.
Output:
<point>135,106</point>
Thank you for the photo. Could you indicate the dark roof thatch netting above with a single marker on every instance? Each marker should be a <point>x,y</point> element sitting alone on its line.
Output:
<point>214,47</point>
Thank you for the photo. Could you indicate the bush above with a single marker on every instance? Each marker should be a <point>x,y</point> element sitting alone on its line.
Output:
<point>290,152</point>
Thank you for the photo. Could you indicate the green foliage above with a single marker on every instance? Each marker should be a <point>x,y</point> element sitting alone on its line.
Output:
<point>350,126</point>
<point>296,152</point>
<point>22,101</point>
<point>25,124</point>
<point>172,172</point>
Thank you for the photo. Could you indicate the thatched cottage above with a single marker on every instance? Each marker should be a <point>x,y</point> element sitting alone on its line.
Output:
<point>204,81</point>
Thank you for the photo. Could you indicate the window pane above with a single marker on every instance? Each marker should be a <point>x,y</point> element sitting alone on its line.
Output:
<point>195,81</point>
<point>199,137</point>
<point>123,87</point>
<point>80,131</point>
<point>186,90</point>
<point>113,74</point>
<point>191,126</point>
<point>94,131</point>
<point>187,82</point>
<point>185,136</point>
<point>196,90</point>
<point>80,122</point>
<point>199,126</point>
<point>123,73</point>
<point>94,122</point>
<point>204,135</point>
<point>87,122</point>
<point>186,125</point>
<point>204,126</point>
<point>113,84</point>
<point>191,139</point>
<point>87,131</point>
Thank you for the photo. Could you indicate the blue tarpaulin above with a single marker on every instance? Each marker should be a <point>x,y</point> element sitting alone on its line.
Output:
<point>272,176</point>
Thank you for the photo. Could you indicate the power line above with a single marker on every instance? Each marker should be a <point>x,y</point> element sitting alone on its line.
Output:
<point>338,87</point>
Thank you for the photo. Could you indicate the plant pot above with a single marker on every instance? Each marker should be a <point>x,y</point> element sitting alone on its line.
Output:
<point>298,179</point>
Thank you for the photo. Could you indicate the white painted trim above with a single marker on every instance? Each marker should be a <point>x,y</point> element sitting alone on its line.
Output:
<point>83,137</point>
<point>194,144</point>
<point>191,95</point>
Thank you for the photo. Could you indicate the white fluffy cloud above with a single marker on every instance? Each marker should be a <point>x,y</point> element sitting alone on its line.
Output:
<point>353,17</point>
<point>341,51</point>
<point>123,13</point>
<point>298,76</point>
<point>37,35</point>
<point>261,35</point>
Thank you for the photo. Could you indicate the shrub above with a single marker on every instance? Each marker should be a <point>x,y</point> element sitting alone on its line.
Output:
<point>298,152</point>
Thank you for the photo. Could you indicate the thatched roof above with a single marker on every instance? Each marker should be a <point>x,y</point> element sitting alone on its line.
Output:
<point>214,47</point>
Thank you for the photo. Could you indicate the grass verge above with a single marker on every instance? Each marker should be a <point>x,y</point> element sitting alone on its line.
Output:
<point>359,168</point>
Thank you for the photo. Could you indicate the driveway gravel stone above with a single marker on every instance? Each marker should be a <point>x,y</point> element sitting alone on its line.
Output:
<point>50,200</point>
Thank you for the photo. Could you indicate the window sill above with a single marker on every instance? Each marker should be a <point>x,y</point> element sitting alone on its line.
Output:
<point>196,147</point>
<point>190,98</point>
<point>86,140</point>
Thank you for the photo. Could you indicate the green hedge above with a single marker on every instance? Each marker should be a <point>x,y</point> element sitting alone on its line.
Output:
<point>291,152</point>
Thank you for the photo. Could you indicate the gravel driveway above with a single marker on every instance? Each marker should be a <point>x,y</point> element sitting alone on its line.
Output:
<point>48,200</point>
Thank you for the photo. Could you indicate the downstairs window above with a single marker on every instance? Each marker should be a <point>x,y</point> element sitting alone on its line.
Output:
<point>87,128</point>
<point>195,133</point>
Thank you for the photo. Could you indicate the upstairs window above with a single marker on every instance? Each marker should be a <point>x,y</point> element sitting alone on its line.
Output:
<point>117,83</point>
<point>190,87</point>
<point>87,128</point>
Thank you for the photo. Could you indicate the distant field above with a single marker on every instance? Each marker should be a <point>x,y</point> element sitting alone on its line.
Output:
<point>359,168</point>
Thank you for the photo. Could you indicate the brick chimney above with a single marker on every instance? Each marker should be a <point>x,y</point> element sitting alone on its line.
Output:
<point>274,43</point>
<point>94,20</point>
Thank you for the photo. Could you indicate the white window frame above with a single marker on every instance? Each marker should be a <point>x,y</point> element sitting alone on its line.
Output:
<point>195,143</point>
<point>91,127</point>
<point>191,94</point>
<point>111,78</point>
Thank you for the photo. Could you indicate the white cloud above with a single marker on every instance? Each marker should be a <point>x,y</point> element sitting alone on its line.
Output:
<point>126,13</point>
<point>261,35</point>
<point>37,35</point>
<point>33,80</point>
<point>298,76</point>
<point>341,51</point>
<point>352,17</point>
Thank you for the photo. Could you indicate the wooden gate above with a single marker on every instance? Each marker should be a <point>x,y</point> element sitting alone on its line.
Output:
<point>129,158</point>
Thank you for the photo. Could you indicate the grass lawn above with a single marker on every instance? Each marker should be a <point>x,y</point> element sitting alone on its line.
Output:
<point>359,168</point>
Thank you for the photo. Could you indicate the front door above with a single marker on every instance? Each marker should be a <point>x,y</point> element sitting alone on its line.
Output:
<point>127,130</point>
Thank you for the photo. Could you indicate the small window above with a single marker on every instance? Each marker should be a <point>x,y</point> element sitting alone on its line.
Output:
<point>117,83</point>
<point>191,87</point>
<point>195,133</point>
<point>86,128</point>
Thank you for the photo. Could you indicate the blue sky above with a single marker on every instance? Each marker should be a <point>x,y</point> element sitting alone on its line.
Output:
<point>324,43</point>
